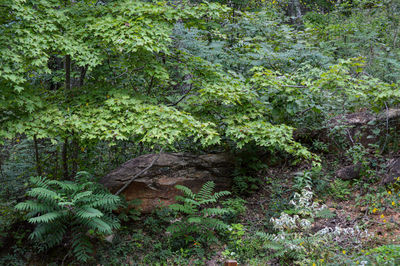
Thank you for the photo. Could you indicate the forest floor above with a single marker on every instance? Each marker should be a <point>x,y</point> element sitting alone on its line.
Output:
<point>363,203</point>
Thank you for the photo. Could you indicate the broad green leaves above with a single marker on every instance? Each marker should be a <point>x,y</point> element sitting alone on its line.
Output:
<point>127,65</point>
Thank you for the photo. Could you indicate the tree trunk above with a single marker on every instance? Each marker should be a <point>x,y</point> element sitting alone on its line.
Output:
<point>75,154</point>
<point>297,8</point>
<point>65,158</point>
<point>67,73</point>
<point>83,74</point>
<point>37,158</point>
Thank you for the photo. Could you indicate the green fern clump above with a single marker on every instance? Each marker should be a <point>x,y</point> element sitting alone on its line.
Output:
<point>198,223</point>
<point>64,208</point>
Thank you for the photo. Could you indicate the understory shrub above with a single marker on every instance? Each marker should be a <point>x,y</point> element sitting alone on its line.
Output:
<point>73,212</point>
<point>197,223</point>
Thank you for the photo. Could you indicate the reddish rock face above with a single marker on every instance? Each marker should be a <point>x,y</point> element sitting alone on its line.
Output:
<point>156,186</point>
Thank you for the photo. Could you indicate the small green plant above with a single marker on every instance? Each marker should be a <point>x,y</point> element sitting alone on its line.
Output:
<point>383,255</point>
<point>378,200</point>
<point>129,210</point>
<point>296,238</point>
<point>235,234</point>
<point>319,146</point>
<point>236,206</point>
<point>302,180</point>
<point>339,189</point>
<point>197,223</point>
<point>8,216</point>
<point>245,185</point>
<point>73,209</point>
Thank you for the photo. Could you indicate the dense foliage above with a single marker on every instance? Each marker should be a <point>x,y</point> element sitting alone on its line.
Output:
<point>62,207</point>
<point>86,85</point>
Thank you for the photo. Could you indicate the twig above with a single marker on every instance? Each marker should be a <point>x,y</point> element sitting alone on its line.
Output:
<point>304,111</point>
<point>138,174</point>
<point>351,139</point>
<point>387,128</point>
<point>68,253</point>
<point>183,97</point>
<point>294,86</point>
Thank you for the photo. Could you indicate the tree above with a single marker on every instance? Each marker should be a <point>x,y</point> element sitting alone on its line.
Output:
<point>86,71</point>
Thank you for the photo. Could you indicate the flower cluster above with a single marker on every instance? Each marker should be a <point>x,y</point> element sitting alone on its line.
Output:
<point>304,206</point>
<point>295,230</point>
<point>342,235</point>
<point>289,223</point>
<point>303,203</point>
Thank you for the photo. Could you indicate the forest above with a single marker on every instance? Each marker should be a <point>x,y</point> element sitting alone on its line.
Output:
<point>191,132</point>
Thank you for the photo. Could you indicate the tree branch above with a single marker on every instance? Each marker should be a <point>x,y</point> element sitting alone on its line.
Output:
<point>183,97</point>
<point>138,174</point>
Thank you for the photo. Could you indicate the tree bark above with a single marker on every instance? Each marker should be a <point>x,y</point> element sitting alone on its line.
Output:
<point>37,158</point>
<point>82,76</point>
<point>297,8</point>
<point>65,158</point>
<point>67,73</point>
<point>75,154</point>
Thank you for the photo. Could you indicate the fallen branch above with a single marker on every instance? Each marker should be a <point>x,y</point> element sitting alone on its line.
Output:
<point>138,174</point>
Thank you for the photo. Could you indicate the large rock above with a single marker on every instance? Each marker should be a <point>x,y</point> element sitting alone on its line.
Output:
<point>363,127</point>
<point>393,171</point>
<point>360,126</point>
<point>349,172</point>
<point>157,185</point>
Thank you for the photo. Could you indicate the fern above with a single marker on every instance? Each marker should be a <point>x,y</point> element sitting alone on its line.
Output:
<point>62,208</point>
<point>81,247</point>
<point>198,222</point>
<point>325,214</point>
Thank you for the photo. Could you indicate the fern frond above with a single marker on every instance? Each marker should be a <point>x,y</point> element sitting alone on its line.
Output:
<point>43,193</point>
<point>214,223</point>
<point>105,201</point>
<point>50,233</point>
<point>206,191</point>
<point>187,209</point>
<point>98,224</point>
<point>46,218</point>
<point>198,223</point>
<point>207,201</point>
<point>65,185</point>
<point>194,220</point>
<point>215,211</point>
<point>112,221</point>
<point>40,181</point>
<point>266,237</point>
<point>82,247</point>
<point>177,228</point>
<point>88,212</point>
<point>188,201</point>
<point>221,194</point>
<point>33,206</point>
<point>186,191</point>
<point>81,195</point>
<point>62,205</point>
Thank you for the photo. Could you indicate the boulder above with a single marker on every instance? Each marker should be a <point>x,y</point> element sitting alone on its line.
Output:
<point>156,186</point>
<point>349,172</point>
<point>364,127</point>
<point>393,171</point>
